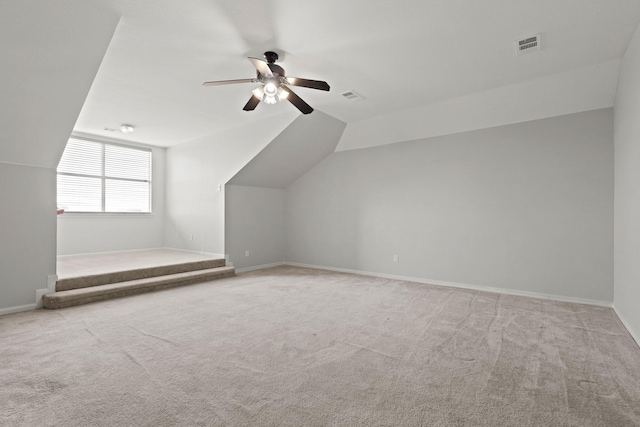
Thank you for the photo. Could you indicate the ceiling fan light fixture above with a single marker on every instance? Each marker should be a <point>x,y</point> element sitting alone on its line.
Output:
<point>270,89</point>
<point>282,94</point>
<point>258,93</point>
<point>270,99</point>
<point>271,92</point>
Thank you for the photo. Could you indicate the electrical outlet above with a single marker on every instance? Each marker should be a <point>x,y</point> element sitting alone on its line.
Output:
<point>246,253</point>
<point>395,258</point>
<point>190,236</point>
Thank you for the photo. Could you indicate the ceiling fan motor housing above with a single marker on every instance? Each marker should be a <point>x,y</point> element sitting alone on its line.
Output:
<point>270,56</point>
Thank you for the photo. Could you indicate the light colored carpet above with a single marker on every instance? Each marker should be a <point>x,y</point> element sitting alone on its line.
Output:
<point>298,347</point>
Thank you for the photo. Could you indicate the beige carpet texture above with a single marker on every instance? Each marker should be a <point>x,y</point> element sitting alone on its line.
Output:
<point>289,346</point>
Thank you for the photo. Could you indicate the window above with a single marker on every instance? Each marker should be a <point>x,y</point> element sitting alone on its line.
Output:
<point>101,177</point>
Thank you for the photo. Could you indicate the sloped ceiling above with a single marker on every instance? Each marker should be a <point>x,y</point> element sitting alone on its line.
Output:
<point>584,89</point>
<point>303,144</point>
<point>50,53</point>
<point>399,55</point>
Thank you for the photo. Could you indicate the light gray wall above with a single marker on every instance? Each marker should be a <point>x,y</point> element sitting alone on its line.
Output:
<point>254,199</point>
<point>27,232</point>
<point>89,233</point>
<point>254,223</point>
<point>526,207</point>
<point>194,213</point>
<point>50,56</point>
<point>627,190</point>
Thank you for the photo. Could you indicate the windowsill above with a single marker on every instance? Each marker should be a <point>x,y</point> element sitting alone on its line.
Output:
<point>105,215</point>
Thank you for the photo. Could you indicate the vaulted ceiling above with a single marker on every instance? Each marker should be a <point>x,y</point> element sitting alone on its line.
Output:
<point>399,55</point>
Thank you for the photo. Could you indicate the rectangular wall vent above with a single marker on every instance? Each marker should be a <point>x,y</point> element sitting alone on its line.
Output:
<point>352,96</point>
<point>528,44</point>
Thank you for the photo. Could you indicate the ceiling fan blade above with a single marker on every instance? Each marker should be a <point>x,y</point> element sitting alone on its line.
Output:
<point>276,69</point>
<point>252,104</point>
<point>313,84</point>
<point>297,101</point>
<point>261,66</point>
<point>228,82</point>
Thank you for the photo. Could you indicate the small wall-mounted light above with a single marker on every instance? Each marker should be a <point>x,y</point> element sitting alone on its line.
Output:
<point>126,128</point>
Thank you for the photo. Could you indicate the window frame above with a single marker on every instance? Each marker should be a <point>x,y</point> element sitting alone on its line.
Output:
<point>103,178</point>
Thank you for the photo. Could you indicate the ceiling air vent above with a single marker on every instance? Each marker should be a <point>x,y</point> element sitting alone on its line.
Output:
<point>528,44</point>
<point>352,96</point>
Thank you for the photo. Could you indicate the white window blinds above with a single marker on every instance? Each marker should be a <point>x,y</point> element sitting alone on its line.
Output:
<point>102,177</point>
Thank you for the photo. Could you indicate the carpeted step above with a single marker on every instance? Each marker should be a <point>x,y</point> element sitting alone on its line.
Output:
<point>86,295</point>
<point>69,283</point>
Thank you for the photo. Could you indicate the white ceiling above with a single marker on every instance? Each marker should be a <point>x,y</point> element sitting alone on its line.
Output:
<point>398,54</point>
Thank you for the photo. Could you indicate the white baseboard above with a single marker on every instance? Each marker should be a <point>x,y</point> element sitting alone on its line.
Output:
<point>17,309</point>
<point>143,250</point>
<point>113,252</point>
<point>258,267</point>
<point>461,285</point>
<point>211,254</point>
<point>51,282</point>
<point>39,294</point>
<point>627,325</point>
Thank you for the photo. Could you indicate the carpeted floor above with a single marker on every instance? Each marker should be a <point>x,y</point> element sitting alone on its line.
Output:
<point>298,347</point>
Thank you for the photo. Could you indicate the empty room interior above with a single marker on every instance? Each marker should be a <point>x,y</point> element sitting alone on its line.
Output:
<point>279,213</point>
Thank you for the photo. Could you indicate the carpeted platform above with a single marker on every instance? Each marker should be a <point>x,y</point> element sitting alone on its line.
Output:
<point>73,266</point>
<point>83,279</point>
<point>298,347</point>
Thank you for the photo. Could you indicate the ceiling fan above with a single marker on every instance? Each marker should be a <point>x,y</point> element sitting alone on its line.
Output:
<point>275,85</point>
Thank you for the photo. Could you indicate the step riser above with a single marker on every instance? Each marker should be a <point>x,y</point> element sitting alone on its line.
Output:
<point>141,273</point>
<point>53,301</point>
